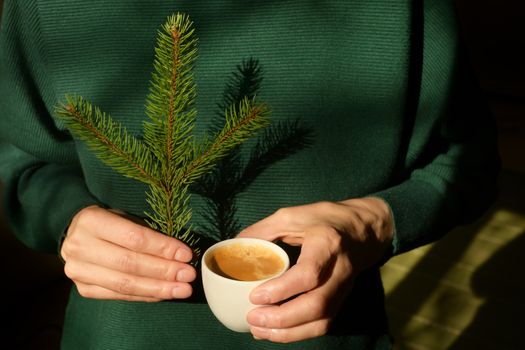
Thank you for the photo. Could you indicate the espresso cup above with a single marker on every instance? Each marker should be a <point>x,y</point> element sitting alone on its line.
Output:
<point>231,269</point>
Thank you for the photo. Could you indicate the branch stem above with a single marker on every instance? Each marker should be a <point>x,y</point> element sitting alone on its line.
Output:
<point>105,140</point>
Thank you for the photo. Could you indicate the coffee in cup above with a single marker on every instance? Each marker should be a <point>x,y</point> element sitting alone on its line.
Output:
<point>245,262</point>
<point>231,269</point>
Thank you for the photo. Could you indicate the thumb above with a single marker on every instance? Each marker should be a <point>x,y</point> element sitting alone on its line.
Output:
<point>267,229</point>
<point>255,231</point>
<point>275,227</point>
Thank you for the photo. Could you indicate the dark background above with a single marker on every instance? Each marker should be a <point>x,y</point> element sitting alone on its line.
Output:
<point>35,291</point>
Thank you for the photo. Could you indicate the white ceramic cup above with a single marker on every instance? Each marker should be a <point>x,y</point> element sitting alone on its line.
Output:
<point>229,299</point>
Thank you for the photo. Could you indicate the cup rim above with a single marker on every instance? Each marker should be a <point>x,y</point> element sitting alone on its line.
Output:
<point>276,248</point>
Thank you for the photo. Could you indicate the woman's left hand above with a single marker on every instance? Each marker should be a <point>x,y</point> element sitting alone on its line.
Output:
<point>338,240</point>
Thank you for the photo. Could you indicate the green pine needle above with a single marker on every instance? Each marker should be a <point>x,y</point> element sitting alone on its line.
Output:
<point>109,140</point>
<point>241,123</point>
<point>168,158</point>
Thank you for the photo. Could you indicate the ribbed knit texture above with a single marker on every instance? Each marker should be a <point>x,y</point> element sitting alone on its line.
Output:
<point>378,82</point>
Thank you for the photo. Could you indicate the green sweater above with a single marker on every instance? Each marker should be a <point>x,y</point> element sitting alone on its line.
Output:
<point>394,114</point>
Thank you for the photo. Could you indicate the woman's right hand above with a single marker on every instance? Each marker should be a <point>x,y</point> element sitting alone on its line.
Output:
<point>111,257</point>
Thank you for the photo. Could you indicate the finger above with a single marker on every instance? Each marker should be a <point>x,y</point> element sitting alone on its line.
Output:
<point>294,239</point>
<point>144,240</point>
<point>315,259</point>
<point>123,283</point>
<point>280,224</point>
<point>299,279</point>
<point>115,257</point>
<point>97,292</point>
<point>289,237</point>
<point>121,231</point>
<point>297,219</point>
<point>303,309</point>
<point>263,230</point>
<point>320,303</point>
<point>288,335</point>
<point>268,232</point>
<point>306,316</point>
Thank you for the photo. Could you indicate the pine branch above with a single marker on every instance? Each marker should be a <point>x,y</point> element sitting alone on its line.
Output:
<point>172,94</point>
<point>241,123</point>
<point>168,159</point>
<point>173,220</point>
<point>221,187</point>
<point>109,140</point>
<point>170,109</point>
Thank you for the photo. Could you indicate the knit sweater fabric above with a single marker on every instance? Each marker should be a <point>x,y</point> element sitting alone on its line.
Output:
<point>381,83</point>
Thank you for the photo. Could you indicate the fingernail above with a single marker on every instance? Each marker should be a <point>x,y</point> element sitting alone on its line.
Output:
<point>180,292</point>
<point>260,297</point>
<point>182,276</point>
<point>183,255</point>
<point>260,333</point>
<point>257,319</point>
<point>175,292</point>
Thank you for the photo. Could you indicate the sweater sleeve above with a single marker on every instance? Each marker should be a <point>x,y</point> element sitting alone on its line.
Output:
<point>42,178</point>
<point>452,169</point>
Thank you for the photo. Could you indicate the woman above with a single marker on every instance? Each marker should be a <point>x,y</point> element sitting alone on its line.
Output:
<point>401,152</point>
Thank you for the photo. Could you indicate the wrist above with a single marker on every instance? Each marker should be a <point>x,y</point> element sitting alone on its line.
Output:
<point>373,225</point>
<point>376,215</point>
